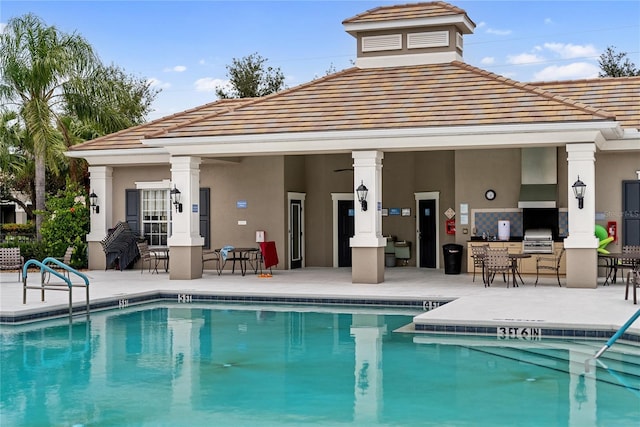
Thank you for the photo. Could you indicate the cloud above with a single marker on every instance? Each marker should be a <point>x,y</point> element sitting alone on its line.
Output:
<point>209,84</point>
<point>176,69</point>
<point>548,21</point>
<point>524,59</point>
<point>573,71</point>
<point>498,32</point>
<point>488,60</point>
<point>157,83</point>
<point>568,50</point>
<point>482,24</point>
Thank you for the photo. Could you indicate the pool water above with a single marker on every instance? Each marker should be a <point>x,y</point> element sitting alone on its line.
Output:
<point>189,365</point>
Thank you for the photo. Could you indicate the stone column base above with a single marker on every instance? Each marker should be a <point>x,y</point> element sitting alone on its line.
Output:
<point>582,268</point>
<point>96,256</point>
<point>185,262</point>
<point>367,265</point>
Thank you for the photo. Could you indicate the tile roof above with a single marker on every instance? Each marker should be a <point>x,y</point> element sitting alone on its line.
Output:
<point>405,12</point>
<point>435,95</point>
<point>620,96</point>
<point>130,138</point>
<point>454,94</point>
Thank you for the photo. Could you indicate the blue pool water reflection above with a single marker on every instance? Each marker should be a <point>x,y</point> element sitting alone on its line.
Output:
<point>179,365</point>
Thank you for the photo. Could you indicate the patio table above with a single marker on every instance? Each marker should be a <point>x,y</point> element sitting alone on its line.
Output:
<point>240,255</point>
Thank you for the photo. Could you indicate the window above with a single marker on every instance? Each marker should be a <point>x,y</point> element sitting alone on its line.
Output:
<point>156,214</point>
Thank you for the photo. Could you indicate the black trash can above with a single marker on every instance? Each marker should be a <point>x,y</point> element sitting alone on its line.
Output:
<point>452,258</point>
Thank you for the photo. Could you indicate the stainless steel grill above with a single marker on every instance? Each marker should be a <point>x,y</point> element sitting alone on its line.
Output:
<point>537,241</point>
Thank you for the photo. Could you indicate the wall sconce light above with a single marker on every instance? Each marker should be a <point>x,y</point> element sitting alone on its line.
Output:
<point>93,198</point>
<point>579,188</point>
<point>176,198</point>
<point>362,192</point>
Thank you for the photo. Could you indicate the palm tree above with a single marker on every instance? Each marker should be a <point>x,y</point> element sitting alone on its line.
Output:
<point>38,64</point>
<point>54,80</point>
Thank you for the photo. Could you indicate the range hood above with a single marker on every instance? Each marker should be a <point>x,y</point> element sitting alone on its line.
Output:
<point>539,178</point>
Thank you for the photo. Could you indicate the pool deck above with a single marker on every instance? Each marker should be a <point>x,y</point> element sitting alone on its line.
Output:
<point>467,303</point>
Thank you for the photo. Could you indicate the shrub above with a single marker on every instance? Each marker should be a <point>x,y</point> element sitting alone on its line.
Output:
<point>14,229</point>
<point>66,223</point>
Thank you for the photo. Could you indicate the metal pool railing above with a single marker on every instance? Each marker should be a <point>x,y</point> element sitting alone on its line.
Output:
<point>613,339</point>
<point>46,269</point>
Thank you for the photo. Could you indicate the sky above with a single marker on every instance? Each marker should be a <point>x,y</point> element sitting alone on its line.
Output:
<point>184,47</point>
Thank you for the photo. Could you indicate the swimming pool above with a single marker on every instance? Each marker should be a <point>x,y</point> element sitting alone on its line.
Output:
<point>236,365</point>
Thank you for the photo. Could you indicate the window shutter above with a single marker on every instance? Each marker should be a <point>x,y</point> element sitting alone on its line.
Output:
<point>132,209</point>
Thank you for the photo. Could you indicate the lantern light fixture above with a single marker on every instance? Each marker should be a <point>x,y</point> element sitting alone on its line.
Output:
<point>176,198</point>
<point>93,199</point>
<point>579,189</point>
<point>362,192</point>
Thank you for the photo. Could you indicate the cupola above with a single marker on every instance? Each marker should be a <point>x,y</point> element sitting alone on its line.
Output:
<point>409,34</point>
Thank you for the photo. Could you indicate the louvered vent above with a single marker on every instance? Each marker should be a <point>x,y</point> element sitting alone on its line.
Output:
<point>378,43</point>
<point>430,39</point>
<point>459,41</point>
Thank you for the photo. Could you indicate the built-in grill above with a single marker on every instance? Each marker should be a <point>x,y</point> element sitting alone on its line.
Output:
<point>537,241</point>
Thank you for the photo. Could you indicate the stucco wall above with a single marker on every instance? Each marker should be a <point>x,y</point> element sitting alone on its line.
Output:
<point>258,181</point>
<point>611,170</point>
<point>321,181</point>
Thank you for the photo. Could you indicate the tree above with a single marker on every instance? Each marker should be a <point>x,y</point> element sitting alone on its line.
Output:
<point>615,64</point>
<point>48,75</point>
<point>249,78</point>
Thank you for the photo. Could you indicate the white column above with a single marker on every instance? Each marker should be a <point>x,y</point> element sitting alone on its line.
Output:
<point>581,244</point>
<point>367,170</point>
<point>185,175</point>
<point>581,158</point>
<point>101,179</point>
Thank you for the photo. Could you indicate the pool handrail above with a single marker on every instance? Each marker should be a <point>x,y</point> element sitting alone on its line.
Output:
<point>67,268</point>
<point>613,339</point>
<point>618,334</point>
<point>45,268</point>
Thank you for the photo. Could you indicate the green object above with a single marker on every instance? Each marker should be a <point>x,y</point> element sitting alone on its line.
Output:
<point>603,237</point>
<point>601,232</point>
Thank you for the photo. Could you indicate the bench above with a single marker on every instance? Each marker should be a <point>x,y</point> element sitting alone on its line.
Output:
<point>10,259</point>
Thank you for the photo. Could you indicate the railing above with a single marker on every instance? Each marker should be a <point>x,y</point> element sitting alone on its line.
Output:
<point>613,339</point>
<point>45,269</point>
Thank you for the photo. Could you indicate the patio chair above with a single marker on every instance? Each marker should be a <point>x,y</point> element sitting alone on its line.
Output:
<point>66,259</point>
<point>212,256</point>
<point>148,256</point>
<point>497,261</point>
<point>623,264</point>
<point>478,254</point>
<point>633,279</point>
<point>10,259</point>
<point>551,263</point>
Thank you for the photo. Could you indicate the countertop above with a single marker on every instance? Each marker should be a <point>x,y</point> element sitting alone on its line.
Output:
<point>560,239</point>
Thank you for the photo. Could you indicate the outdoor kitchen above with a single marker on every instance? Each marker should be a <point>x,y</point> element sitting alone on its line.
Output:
<point>537,225</point>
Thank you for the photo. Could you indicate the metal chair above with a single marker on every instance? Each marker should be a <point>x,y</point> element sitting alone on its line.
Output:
<point>623,264</point>
<point>208,256</point>
<point>633,279</point>
<point>478,254</point>
<point>549,263</point>
<point>66,259</point>
<point>497,261</point>
<point>147,256</point>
